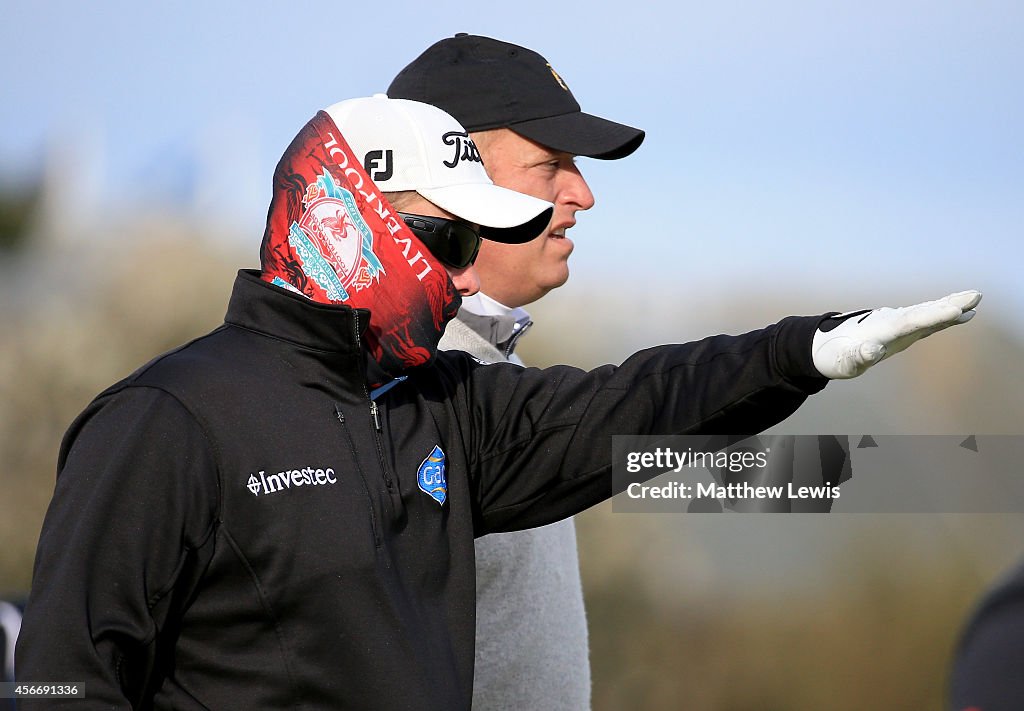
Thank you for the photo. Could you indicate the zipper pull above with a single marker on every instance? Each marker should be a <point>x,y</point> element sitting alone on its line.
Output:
<point>340,414</point>
<point>373,412</point>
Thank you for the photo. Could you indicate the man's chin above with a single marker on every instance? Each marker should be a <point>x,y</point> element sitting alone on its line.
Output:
<point>556,280</point>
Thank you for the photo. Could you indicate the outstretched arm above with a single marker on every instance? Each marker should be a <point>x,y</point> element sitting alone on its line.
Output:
<point>543,449</point>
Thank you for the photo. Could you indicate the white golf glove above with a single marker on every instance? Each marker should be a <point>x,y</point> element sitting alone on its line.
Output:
<point>846,345</point>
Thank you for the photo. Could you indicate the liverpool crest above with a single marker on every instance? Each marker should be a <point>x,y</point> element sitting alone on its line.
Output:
<point>333,240</point>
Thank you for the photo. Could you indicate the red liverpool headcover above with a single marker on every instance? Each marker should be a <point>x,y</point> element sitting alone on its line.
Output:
<point>333,237</point>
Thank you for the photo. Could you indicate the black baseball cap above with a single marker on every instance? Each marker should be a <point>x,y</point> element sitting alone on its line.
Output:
<point>486,83</point>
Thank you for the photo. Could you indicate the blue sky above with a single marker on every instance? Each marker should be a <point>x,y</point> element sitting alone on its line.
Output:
<point>844,146</point>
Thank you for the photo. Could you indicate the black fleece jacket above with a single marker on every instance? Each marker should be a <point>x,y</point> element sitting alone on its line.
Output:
<point>237,526</point>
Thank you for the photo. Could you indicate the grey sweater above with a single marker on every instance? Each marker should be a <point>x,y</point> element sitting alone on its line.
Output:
<point>531,630</point>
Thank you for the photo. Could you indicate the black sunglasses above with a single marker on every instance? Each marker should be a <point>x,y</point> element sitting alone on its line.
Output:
<point>453,242</point>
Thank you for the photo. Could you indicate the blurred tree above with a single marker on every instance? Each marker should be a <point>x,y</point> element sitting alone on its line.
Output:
<point>75,321</point>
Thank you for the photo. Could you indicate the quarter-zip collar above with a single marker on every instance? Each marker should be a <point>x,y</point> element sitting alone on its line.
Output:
<point>496,323</point>
<point>261,307</point>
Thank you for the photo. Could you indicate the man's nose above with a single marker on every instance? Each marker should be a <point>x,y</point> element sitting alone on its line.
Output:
<point>576,191</point>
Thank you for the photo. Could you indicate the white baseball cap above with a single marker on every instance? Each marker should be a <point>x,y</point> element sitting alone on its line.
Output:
<point>408,145</point>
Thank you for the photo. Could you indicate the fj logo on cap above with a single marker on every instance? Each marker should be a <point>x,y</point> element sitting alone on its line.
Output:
<point>373,161</point>
<point>465,149</point>
<point>557,78</point>
<point>431,476</point>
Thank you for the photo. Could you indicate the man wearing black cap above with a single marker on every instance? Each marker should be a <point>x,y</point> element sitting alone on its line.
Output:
<point>531,634</point>
<point>528,127</point>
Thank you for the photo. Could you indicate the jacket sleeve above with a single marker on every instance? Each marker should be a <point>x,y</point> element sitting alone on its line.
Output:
<point>132,514</point>
<point>540,445</point>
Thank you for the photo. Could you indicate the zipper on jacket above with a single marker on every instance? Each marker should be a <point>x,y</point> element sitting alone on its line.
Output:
<point>510,345</point>
<point>388,483</point>
<point>396,497</point>
<point>374,414</point>
<point>366,487</point>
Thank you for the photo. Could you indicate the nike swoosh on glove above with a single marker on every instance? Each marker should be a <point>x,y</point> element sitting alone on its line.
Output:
<point>846,345</point>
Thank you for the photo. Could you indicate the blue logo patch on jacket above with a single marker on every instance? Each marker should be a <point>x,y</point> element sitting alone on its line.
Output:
<point>430,476</point>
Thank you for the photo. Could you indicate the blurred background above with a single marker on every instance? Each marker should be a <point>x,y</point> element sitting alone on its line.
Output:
<point>801,156</point>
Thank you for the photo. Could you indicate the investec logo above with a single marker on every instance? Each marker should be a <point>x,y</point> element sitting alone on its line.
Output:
<point>264,483</point>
